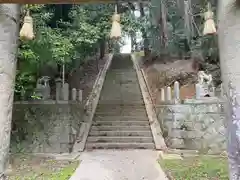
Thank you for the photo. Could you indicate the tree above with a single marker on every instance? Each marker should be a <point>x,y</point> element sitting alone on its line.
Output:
<point>9,35</point>
<point>144,33</point>
<point>229,39</point>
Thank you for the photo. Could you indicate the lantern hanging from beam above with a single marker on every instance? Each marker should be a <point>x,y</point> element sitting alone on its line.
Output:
<point>26,32</point>
<point>209,25</point>
<point>116,27</point>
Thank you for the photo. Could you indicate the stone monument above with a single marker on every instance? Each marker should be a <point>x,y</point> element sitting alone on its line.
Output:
<point>205,84</point>
<point>43,88</point>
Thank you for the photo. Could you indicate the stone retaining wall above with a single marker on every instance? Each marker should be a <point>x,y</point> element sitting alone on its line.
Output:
<point>45,126</point>
<point>195,124</point>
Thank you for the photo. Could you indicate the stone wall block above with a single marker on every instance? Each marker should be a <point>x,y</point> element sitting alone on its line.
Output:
<point>53,125</point>
<point>196,124</point>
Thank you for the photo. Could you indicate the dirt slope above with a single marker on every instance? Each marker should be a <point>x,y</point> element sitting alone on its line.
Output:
<point>165,73</point>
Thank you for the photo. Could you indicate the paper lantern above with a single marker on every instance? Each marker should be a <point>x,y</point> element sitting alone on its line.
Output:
<point>209,25</point>
<point>26,32</point>
<point>116,27</point>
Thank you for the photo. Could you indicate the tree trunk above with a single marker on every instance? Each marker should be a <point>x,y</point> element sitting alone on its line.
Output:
<point>133,41</point>
<point>180,5</point>
<point>155,14</point>
<point>8,47</point>
<point>187,20</point>
<point>102,48</point>
<point>229,41</point>
<point>144,33</point>
<point>163,26</point>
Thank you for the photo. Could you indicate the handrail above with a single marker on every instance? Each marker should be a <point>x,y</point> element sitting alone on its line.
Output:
<point>147,85</point>
<point>152,117</point>
<point>90,97</point>
<point>148,88</point>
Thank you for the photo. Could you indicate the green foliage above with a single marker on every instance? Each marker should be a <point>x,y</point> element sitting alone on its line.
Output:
<point>205,48</point>
<point>69,42</point>
<point>65,34</point>
<point>64,173</point>
<point>25,83</point>
<point>130,23</point>
<point>30,167</point>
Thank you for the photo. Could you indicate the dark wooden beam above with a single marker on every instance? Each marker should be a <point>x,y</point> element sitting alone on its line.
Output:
<point>67,1</point>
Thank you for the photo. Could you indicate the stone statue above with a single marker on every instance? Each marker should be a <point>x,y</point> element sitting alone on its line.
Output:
<point>205,82</point>
<point>43,88</point>
<point>204,78</point>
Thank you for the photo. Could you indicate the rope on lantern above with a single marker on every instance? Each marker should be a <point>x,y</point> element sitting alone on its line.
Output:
<point>26,32</point>
<point>116,27</point>
<point>209,25</point>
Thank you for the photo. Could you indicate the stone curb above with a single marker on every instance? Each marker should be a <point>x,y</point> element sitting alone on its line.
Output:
<point>168,174</point>
<point>166,156</point>
<point>153,121</point>
<point>162,156</point>
<point>79,146</point>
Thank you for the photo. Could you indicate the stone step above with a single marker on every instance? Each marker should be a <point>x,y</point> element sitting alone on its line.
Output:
<point>121,101</point>
<point>121,71</point>
<point>120,128</point>
<point>116,88</point>
<point>121,123</point>
<point>130,145</point>
<point>119,106</point>
<point>146,133</point>
<point>136,98</point>
<point>120,109</point>
<point>122,77</point>
<point>110,117</point>
<point>119,139</point>
<point>113,100</point>
<point>123,113</point>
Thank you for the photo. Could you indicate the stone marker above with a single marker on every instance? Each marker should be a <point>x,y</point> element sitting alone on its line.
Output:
<point>65,92</point>
<point>80,95</point>
<point>162,94</point>
<point>169,94</point>
<point>74,94</point>
<point>176,90</point>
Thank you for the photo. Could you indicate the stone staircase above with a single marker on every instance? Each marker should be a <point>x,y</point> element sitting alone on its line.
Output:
<point>120,120</point>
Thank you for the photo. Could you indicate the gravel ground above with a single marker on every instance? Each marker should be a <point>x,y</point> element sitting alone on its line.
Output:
<point>119,165</point>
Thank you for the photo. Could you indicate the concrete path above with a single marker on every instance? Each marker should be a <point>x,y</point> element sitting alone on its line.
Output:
<point>119,165</point>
